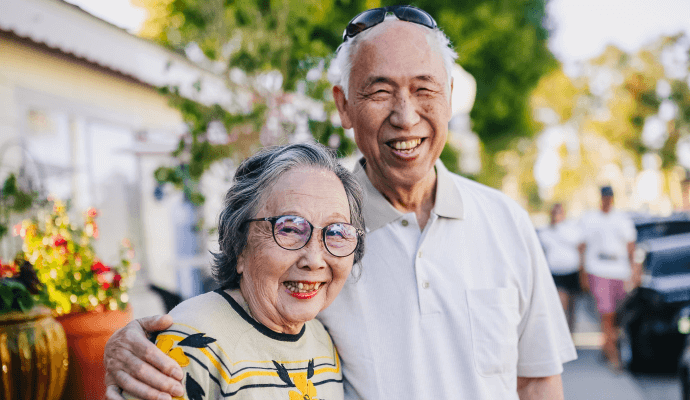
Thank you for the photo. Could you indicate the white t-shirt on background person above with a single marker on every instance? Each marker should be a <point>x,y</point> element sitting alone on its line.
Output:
<point>607,236</point>
<point>560,243</point>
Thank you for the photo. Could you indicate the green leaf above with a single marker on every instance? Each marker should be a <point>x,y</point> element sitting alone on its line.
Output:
<point>15,297</point>
<point>6,296</point>
<point>24,300</point>
<point>9,188</point>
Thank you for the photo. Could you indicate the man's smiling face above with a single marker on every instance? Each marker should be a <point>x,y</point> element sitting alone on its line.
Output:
<point>399,103</point>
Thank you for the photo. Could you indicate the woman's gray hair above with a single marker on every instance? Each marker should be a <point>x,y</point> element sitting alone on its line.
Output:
<point>341,66</point>
<point>254,180</point>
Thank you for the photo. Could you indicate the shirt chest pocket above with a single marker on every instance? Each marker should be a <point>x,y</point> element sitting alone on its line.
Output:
<point>494,317</point>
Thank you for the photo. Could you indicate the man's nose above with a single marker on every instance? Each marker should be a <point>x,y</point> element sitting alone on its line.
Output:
<point>404,114</point>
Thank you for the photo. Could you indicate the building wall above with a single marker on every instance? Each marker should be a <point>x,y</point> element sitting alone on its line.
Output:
<point>91,104</point>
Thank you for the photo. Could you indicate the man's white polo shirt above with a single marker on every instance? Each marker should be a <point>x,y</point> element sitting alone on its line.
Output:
<point>457,311</point>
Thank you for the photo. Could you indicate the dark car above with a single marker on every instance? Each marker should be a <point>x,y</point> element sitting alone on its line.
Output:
<point>651,315</point>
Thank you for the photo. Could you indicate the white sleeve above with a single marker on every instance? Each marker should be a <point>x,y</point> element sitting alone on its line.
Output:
<point>579,232</point>
<point>544,342</point>
<point>629,231</point>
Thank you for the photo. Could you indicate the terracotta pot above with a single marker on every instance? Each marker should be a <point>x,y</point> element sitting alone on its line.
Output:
<point>87,334</point>
<point>33,354</point>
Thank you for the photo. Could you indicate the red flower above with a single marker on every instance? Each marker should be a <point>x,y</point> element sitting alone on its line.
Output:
<point>98,268</point>
<point>116,280</point>
<point>92,213</point>
<point>106,285</point>
<point>7,270</point>
<point>58,241</point>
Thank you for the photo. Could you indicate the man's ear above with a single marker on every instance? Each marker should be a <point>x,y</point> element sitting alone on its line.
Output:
<point>342,105</point>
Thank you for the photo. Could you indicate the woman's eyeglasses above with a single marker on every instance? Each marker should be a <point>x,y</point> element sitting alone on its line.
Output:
<point>292,232</point>
<point>375,16</point>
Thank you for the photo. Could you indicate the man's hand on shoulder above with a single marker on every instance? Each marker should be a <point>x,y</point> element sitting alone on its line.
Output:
<point>136,365</point>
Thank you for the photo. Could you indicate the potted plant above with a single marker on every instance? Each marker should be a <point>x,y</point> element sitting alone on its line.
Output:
<point>88,297</point>
<point>33,348</point>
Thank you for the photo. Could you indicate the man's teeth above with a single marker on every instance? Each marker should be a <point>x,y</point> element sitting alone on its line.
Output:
<point>301,287</point>
<point>408,144</point>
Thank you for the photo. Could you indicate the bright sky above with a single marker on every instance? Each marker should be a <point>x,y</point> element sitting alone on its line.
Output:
<point>583,28</point>
<point>118,12</point>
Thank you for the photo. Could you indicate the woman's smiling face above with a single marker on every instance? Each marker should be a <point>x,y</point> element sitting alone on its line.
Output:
<point>271,275</point>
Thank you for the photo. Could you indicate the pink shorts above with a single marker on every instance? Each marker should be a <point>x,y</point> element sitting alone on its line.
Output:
<point>607,292</point>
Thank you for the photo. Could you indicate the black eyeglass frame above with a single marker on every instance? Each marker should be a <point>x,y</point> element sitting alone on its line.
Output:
<point>353,30</point>
<point>273,220</point>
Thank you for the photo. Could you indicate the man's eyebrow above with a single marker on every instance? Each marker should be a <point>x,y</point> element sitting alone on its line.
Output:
<point>426,78</point>
<point>382,79</point>
<point>372,80</point>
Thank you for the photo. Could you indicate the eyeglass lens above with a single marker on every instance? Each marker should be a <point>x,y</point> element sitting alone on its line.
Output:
<point>292,232</point>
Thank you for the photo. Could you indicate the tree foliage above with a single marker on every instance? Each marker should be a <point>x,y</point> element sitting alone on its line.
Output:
<point>622,109</point>
<point>502,44</point>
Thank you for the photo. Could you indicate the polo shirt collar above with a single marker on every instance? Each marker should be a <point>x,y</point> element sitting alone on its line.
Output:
<point>378,212</point>
<point>448,198</point>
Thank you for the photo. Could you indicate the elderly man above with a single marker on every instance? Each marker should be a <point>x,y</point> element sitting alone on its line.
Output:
<point>455,299</point>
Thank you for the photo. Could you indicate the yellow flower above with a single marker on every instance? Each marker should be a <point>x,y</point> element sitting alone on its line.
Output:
<point>176,354</point>
<point>307,389</point>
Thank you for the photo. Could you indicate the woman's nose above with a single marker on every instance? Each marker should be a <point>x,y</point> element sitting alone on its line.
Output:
<point>404,114</point>
<point>314,253</point>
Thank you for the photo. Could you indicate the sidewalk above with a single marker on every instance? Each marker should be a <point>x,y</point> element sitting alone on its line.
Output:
<point>589,378</point>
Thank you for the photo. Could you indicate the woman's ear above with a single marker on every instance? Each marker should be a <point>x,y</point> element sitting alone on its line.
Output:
<point>241,259</point>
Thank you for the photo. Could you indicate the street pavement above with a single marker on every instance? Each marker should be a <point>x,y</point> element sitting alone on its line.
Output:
<point>589,378</point>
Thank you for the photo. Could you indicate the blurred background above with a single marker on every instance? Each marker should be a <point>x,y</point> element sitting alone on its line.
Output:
<point>143,108</point>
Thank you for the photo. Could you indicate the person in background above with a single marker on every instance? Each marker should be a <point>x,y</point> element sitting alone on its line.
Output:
<point>608,247</point>
<point>455,300</point>
<point>561,241</point>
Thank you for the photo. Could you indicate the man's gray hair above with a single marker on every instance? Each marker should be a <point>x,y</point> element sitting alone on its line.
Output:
<point>254,180</point>
<point>341,66</point>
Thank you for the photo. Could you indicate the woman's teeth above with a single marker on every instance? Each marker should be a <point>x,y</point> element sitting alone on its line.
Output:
<point>302,287</point>
<point>405,145</point>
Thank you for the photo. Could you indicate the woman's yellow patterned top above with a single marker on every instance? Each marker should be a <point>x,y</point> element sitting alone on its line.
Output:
<point>225,354</point>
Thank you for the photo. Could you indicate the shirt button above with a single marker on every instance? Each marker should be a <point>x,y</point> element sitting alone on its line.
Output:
<point>425,285</point>
<point>404,222</point>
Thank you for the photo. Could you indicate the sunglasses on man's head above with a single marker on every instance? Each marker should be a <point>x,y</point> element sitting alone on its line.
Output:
<point>370,18</point>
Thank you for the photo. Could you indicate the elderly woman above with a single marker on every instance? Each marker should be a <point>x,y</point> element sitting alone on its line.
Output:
<point>289,235</point>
